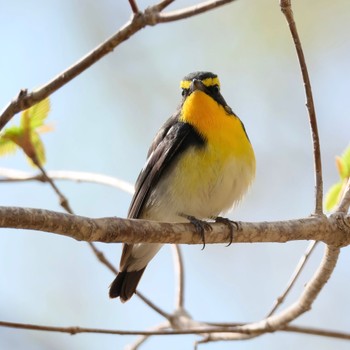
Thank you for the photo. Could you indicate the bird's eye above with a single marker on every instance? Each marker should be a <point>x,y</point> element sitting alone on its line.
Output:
<point>184,92</point>
<point>216,88</point>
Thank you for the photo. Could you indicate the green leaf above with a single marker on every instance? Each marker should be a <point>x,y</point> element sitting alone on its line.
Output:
<point>26,136</point>
<point>12,133</point>
<point>38,113</point>
<point>7,146</point>
<point>24,122</point>
<point>38,148</point>
<point>332,196</point>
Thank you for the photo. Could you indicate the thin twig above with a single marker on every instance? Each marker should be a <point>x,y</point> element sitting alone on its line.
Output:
<point>191,11</point>
<point>11,175</point>
<point>288,13</point>
<point>301,264</point>
<point>141,339</point>
<point>133,6</point>
<point>102,259</point>
<point>150,17</point>
<point>100,256</point>
<point>302,305</point>
<point>291,328</point>
<point>152,305</point>
<point>78,330</point>
<point>317,331</point>
<point>163,4</point>
<point>180,273</point>
<point>63,200</point>
<point>27,99</point>
<point>66,206</point>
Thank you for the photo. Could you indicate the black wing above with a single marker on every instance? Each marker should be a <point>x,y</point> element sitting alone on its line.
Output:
<point>171,140</point>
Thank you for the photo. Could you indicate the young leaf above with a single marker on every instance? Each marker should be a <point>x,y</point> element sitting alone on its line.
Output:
<point>13,133</point>
<point>346,162</point>
<point>39,149</point>
<point>341,166</point>
<point>7,146</point>
<point>38,113</point>
<point>332,196</point>
<point>26,135</point>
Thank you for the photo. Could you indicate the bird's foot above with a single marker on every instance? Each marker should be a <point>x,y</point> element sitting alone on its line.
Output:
<point>200,226</point>
<point>232,225</point>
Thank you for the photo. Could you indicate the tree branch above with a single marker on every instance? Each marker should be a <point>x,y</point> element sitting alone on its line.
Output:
<point>133,6</point>
<point>11,175</point>
<point>27,99</point>
<point>191,11</point>
<point>301,264</point>
<point>161,330</point>
<point>288,13</point>
<point>62,198</point>
<point>329,230</point>
<point>77,330</point>
<point>163,4</point>
<point>303,304</point>
<point>180,274</point>
<point>150,17</point>
<point>317,331</point>
<point>142,338</point>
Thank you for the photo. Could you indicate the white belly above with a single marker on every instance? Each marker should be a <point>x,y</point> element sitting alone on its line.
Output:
<point>201,188</point>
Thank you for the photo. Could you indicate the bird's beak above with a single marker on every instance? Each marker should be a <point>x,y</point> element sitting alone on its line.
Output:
<point>197,85</point>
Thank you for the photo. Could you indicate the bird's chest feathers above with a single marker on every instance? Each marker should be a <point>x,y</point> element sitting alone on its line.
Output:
<point>205,169</point>
<point>223,131</point>
<point>208,179</point>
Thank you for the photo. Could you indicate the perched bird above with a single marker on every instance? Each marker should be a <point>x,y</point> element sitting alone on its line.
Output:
<point>200,164</point>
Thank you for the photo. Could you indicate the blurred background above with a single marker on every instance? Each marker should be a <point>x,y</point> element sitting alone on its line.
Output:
<point>104,122</point>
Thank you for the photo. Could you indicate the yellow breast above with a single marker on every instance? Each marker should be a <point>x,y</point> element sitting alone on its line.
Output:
<point>207,180</point>
<point>223,131</point>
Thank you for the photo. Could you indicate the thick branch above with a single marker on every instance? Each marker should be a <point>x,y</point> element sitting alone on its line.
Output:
<point>334,230</point>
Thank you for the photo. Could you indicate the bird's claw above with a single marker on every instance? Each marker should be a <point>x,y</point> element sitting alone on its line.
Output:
<point>232,225</point>
<point>200,226</point>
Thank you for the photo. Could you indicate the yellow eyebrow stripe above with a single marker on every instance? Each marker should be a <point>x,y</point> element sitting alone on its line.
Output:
<point>185,84</point>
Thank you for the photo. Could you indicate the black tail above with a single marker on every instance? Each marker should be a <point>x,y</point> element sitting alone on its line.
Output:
<point>124,285</point>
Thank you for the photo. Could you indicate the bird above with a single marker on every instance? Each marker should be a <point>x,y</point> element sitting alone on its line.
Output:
<point>199,165</point>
